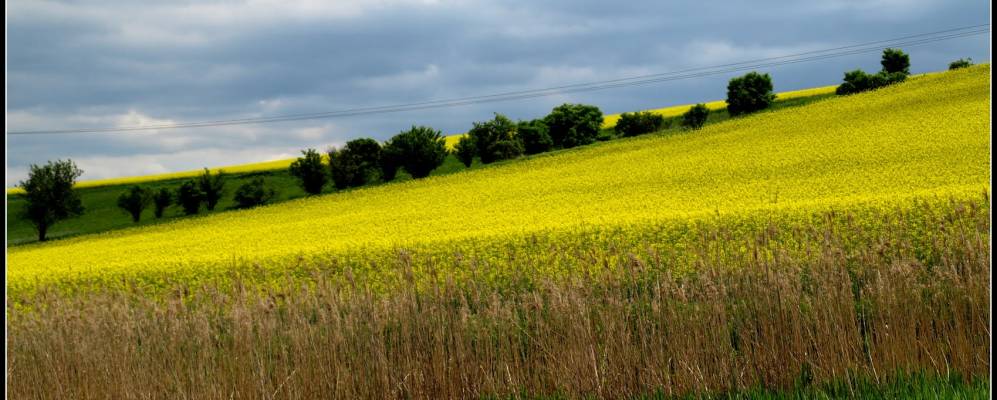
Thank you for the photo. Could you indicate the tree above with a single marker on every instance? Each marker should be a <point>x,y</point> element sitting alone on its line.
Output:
<point>573,125</point>
<point>960,63</point>
<point>309,170</point>
<point>535,136</point>
<point>391,160</point>
<point>355,163</point>
<point>749,93</point>
<point>189,197</point>
<point>134,201</point>
<point>696,117</point>
<point>49,196</point>
<point>465,150</point>
<point>162,199</point>
<point>254,193</point>
<point>495,140</point>
<point>639,123</point>
<point>418,150</point>
<point>895,61</point>
<point>212,187</point>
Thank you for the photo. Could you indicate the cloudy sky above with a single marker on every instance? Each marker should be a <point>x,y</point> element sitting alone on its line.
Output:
<point>98,64</point>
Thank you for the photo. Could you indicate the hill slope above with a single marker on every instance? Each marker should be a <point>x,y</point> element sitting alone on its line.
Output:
<point>609,121</point>
<point>928,137</point>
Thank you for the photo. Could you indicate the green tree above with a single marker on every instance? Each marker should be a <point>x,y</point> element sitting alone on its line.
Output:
<point>749,93</point>
<point>212,186</point>
<point>573,125</point>
<point>495,140</point>
<point>639,123</point>
<point>355,164</point>
<point>309,171</point>
<point>134,201</point>
<point>535,136</point>
<point>895,61</point>
<point>254,193</point>
<point>465,150</point>
<point>696,117</point>
<point>161,200</point>
<point>419,150</point>
<point>189,197</point>
<point>49,196</point>
<point>391,160</point>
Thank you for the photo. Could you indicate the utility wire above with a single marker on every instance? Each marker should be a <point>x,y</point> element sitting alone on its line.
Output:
<point>906,41</point>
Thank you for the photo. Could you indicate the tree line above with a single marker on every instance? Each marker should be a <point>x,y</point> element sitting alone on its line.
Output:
<point>50,197</point>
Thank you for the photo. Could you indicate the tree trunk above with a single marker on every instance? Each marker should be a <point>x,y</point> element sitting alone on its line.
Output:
<point>41,232</point>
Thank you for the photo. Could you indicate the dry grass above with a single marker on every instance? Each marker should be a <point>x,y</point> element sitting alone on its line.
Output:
<point>783,313</point>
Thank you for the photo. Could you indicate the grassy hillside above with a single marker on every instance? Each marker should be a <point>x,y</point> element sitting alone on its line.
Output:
<point>928,137</point>
<point>99,196</point>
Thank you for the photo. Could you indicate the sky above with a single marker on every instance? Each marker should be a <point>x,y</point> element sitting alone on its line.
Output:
<point>122,63</point>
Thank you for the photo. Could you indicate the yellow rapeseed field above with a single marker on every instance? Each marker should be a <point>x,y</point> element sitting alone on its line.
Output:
<point>928,137</point>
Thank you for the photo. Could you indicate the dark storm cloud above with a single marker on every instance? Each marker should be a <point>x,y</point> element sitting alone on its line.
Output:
<point>124,63</point>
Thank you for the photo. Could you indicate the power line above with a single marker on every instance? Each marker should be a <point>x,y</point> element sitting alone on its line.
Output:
<point>906,41</point>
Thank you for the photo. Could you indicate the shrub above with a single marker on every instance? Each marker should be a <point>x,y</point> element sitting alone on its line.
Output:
<point>465,150</point>
<point>49,196</point>
<point>749,93</point>
<point>495,140</point>
<point>354,164</point>
<point>212,187</point>
<point>696,117</point>
<point>573,125</point>
<point>308,169</point>
<point>134,201</point>
<point>858,81</point>
<point>189,197</point>
<point>895,61</point>
<point>418,150</point>
<point>639,123</point>
<point>535,136</point>
<point>162,199</point>
<point>254,193</point>
<point>960,63</point>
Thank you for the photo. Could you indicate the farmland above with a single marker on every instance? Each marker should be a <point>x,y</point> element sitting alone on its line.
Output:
<point>811,159</point>
<point>767,252</point>
<point>103,214</point>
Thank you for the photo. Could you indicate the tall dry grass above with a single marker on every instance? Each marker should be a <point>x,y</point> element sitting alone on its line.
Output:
<point>765,317</point>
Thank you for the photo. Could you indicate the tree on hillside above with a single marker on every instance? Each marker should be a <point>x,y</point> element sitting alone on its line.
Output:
<point>161,200</point>
<point>189,197</point>
<point>134,201</point>
<point>254,193</point>
<point>535,136</point>
<point>49,195</point>
<point>418,150</point>
<point>309,170</point>
<point>495,140</point>
<point>896,67</point>
<point>639,123</point>
<point>465,150</point>
<point>355,164</point>
<point>749,93</point>
<point>895,61</point>
<point>696,117</point>
<point>573,125</point>
<point>961,63</point>
<point>212,187</point>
